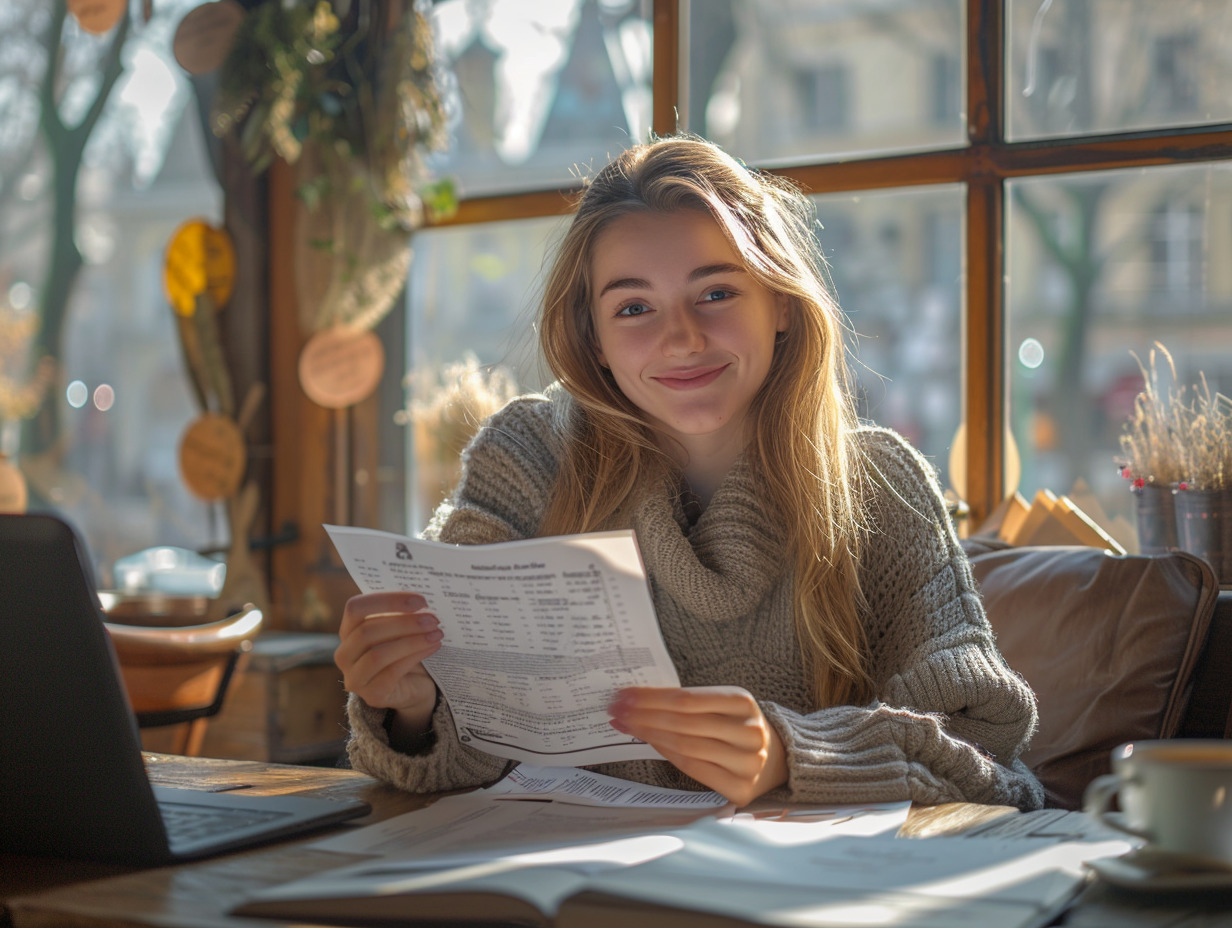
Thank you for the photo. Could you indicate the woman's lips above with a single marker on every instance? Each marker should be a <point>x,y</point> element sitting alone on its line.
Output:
<point>690,380</point>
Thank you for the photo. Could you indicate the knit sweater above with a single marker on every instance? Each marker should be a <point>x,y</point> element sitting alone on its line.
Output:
<point>949,720</point>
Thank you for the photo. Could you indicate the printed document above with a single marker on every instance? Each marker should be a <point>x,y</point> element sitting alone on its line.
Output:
<point>478,825</point>
<point>584,788</point>
<point>475,826</point>
<point>539,636</point>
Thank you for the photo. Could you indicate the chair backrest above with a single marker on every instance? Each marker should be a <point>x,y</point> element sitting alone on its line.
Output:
<point>1110,644</point>
<point>176,672</point>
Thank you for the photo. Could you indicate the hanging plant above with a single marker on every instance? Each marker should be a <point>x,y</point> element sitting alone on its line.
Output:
<point>349,92</point>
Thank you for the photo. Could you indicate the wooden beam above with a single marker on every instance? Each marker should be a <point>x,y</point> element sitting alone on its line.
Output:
<point>947,166</point>
<point>665,84</point>
<point>308,584</point>
<point>528,205</point>
<point>984,400</point>
<point>989,159</point>
<point>983,323</point>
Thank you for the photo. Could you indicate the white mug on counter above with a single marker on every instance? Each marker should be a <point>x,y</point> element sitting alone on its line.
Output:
<point>1176,794</point>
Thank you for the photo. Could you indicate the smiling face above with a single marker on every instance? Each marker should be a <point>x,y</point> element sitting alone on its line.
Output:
<point>687,333</point>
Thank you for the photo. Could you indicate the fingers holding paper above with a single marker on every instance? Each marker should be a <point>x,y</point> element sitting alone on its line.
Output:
<point>384,639</point>
<point>718,735</point>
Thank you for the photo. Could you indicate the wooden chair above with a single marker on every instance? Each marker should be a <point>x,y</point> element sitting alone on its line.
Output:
<point>177,668</point>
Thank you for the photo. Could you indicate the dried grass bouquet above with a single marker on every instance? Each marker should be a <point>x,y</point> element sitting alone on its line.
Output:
<point>1175,438</point>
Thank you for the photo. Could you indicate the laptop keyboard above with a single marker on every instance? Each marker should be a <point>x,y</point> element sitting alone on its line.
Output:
<point>187,823</point>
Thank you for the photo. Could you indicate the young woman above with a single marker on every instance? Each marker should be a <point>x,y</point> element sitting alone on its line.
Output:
<point>810,588</point>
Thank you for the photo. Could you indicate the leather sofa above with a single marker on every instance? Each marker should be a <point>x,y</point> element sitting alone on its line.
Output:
<point>1118,648</point>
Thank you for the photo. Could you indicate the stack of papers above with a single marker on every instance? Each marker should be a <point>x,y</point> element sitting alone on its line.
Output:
<point>588,851</point>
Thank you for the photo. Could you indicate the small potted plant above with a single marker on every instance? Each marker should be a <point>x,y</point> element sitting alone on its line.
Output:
<point>1178,457</point>
<point>1204,496</point>
<point>1151,462</point>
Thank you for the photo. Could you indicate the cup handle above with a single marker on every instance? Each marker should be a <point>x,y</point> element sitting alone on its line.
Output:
<point>1096,799</point>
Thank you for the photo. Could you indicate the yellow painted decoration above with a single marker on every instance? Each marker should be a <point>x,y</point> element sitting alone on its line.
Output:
<point>199,257</point>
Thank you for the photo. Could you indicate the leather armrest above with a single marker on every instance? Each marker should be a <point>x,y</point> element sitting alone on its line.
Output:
<point>1209,712</point>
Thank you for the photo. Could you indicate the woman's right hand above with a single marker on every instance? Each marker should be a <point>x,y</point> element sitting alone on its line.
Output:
<point>384,639</point>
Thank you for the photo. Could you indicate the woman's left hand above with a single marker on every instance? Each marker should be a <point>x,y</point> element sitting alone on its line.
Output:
<point>718,735</point>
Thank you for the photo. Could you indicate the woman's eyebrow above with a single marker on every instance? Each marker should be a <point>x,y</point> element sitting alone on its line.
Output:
<point>709,270</point>
<point>626,283</point>
<point>706,270</point>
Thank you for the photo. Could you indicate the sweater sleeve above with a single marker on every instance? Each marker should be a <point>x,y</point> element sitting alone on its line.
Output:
<point>507,475</point>
<point>950,718</point>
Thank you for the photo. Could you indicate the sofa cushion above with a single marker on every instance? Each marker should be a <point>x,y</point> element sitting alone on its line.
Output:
<point>1107,642</point>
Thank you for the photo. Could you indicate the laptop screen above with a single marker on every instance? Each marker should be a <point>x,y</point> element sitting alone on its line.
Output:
<point>71,771</point>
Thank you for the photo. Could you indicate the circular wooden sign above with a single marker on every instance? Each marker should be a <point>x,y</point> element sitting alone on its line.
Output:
<point>213,457</point>
<point>200,258</point>
<point>339,367</point>
<point>13,493</point>
<point>97,16</point>
<point>204,36</point>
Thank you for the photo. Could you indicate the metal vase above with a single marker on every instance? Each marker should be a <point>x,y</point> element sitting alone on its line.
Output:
<point>1156,516</point>
<point>1225,571</point>
<point>1202,518</point>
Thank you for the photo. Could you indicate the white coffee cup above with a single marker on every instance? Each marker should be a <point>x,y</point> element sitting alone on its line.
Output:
<point>1176,794</point>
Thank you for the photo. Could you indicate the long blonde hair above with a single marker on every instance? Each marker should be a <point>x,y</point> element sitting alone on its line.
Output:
<point>803,417</point>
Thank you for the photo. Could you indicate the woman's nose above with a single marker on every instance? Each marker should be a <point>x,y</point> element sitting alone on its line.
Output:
<point>684,334</point>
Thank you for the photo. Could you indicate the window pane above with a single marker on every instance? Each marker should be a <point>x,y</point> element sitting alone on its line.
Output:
<point>1102,265</point>
<point>102,449</point>
<point>537,88</point>
<point>1084,66</point>
<point>896,262</point>
<point>816,80</point>
<point>473,294</point>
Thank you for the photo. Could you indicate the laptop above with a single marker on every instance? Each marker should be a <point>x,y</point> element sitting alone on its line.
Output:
<point>72,779</point>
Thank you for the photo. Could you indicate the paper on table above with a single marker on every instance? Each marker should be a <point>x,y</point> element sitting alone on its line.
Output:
<point>861,880</point>
<point>539,635</point>
<point>787,825</point>
<point>582,787</point>
<point>379,891</point>
<point>743,873</point>
<point>472,826</point>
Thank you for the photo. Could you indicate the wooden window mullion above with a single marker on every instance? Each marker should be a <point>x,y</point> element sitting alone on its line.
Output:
<point>665,86</point>
<point>983,327</point>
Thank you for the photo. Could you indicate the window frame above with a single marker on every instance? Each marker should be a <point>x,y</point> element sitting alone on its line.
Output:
<point>324,461</point>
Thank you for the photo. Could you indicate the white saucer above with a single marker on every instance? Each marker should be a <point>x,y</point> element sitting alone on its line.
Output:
<point>1152,871</point>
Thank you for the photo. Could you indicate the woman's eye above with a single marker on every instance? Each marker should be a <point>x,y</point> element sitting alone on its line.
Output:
<point>633,309</point>
<point>715,295</point>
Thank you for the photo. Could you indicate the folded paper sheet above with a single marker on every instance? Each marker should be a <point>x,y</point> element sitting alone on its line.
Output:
<point>539,636</point>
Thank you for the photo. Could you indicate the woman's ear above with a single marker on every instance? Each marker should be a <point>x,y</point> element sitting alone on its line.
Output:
<point>783,307</point>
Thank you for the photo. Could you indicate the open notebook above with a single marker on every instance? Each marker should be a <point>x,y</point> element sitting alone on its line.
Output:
<point>72,779</point>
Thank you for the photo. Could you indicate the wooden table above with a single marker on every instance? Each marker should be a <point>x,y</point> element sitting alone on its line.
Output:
<point>69,893</point>
<point>64,894</point>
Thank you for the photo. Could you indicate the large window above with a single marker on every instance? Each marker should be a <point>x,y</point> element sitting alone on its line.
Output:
<point>1015,197</point>
<point>1001,244</point>
<point>1102,264</point>
<point>83,232</point>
